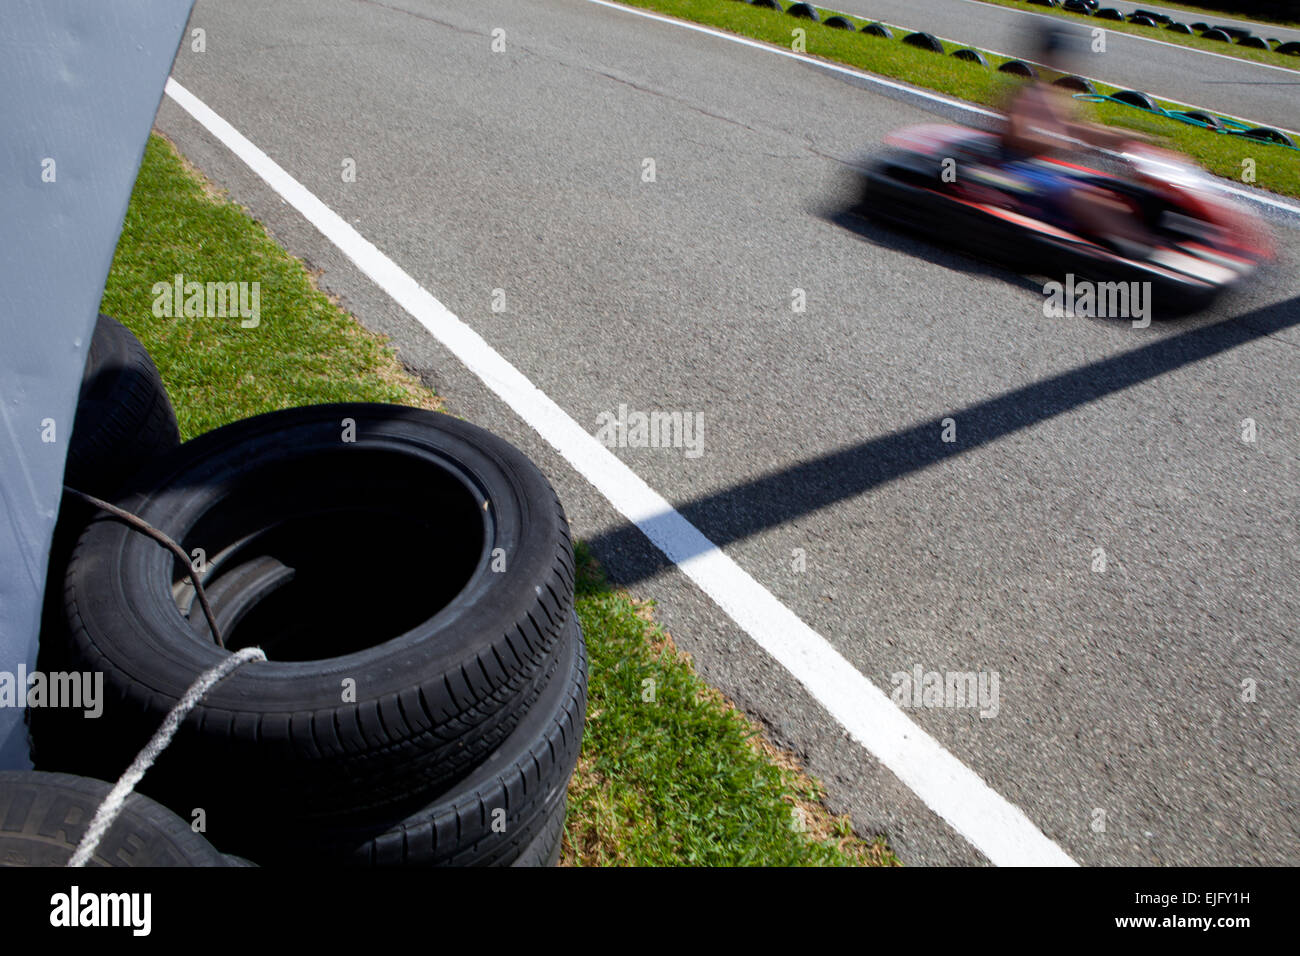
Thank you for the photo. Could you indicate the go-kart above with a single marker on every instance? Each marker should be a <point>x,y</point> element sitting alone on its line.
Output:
<point>959,185</point>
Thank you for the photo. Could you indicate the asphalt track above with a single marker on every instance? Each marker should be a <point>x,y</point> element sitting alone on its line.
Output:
<point>1120,691</point>
<point>1254,91</point>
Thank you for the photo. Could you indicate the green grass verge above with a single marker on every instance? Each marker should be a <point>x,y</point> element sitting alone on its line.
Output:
<point>1275,167</point>
<point>304,352</point>
<point>685,779</point>
<point>1194,41</point>
<point>682,777</point>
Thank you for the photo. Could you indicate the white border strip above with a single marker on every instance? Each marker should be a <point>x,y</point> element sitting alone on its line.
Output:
<point>1256,196</point>
<point>993,825</point>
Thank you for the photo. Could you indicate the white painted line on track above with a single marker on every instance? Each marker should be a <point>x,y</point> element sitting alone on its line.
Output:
<point>993,825</point>
<point>1254,196</point>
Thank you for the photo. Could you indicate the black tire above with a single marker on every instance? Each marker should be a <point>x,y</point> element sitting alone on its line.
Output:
<point>1209,120</point>
<point>1155,17</point>
<point>924,41</point>
<point>1289,49</point>
<point>973,56</point>
<point>1108,13</point>
<point>1236,33</point>
<point>45,816</point>
<point>1077,6</point>
<point>1253,43</point>
<point>878,30</point>
<point>1200,26</point>
<point>446,653</point>
<point>1018,68</point>
<point>1216,34</point>
<point>805,11</point>
<point>1045,3</point>
<point>1142,21</point>
<point>1266,134</point>
<point>1179,28</point>
<point>1075,84</point>
<point>769,4</point>
<point>124,418</point>
<point>1135,98</point>
<point>840,23</point>
<point>547,846</point>
<point>520,785</point>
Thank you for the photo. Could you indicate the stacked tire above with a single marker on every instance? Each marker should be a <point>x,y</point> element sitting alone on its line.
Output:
<point>46,814</point>
<point>410,579</point>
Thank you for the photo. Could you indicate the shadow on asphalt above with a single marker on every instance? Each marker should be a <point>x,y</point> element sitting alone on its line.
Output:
<point>780,496</point>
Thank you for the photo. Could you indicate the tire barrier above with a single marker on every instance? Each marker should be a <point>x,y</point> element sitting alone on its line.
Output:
<point>1075,84</point>
<point>46,814</point>
<point>1199,118</point>
<point>1135,98</point>
<point>974,56</point>
<point>1237,33</point>
<point>767,4</point>
<point>1078,85</point>
<point>924,41</point>
<point>1018,68</point>
<point>398,671</point>
<point>124,417</point>
<point>124,420</point>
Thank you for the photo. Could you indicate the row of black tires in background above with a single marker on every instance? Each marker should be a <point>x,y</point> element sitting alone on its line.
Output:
<point>410,578</point>
<point>1146,18</point>
<point>1075,84</point>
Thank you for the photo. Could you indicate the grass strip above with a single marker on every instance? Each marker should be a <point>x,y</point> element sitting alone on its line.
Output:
<point>1274,168</point>
<point>685,779</point>
<point>673,773</point>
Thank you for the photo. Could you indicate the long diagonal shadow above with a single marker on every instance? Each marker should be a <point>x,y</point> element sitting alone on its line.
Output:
<point>746,509</point>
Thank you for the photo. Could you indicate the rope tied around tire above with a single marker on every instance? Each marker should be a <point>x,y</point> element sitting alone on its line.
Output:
<point>116,799</point>
<point>108,811</point>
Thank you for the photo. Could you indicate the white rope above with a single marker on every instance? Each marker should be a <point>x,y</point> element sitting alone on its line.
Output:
<point>112,805</point>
